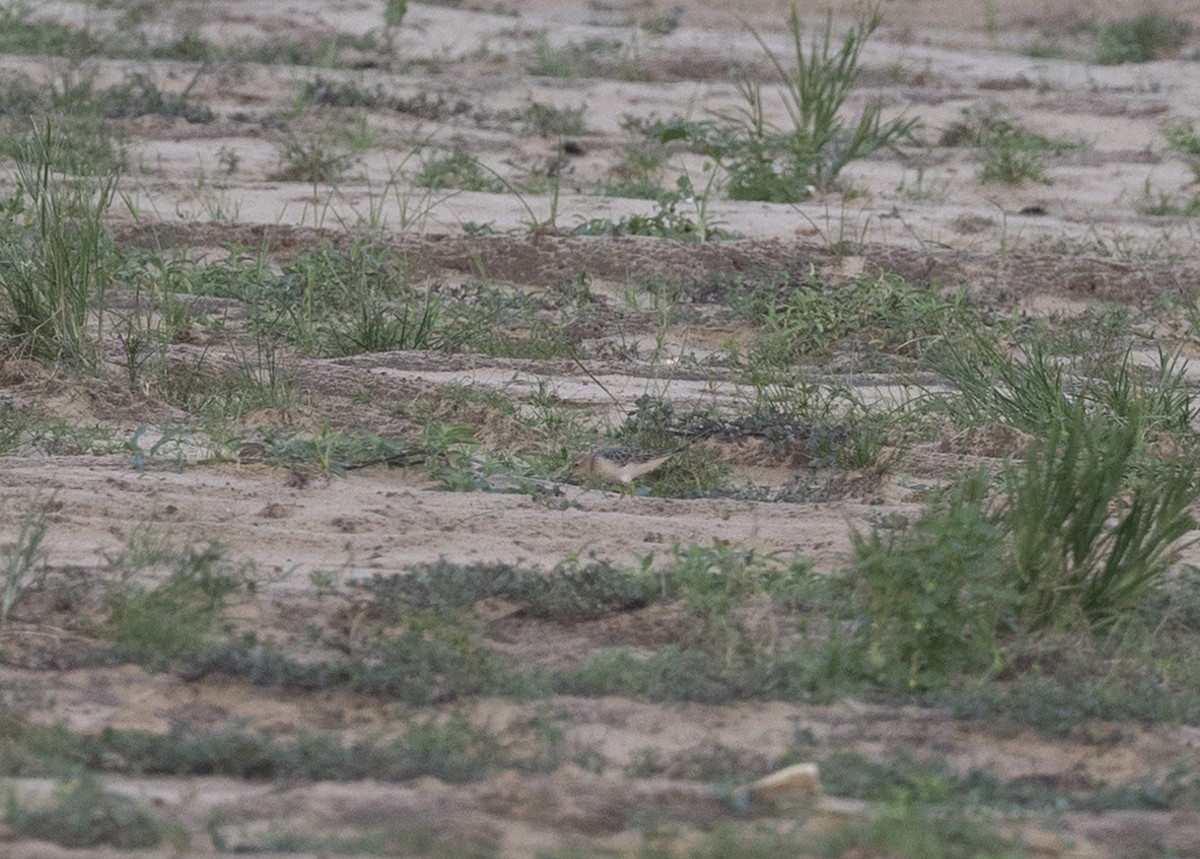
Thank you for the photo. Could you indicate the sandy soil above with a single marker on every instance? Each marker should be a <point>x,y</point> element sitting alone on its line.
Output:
<point>1041,249</point>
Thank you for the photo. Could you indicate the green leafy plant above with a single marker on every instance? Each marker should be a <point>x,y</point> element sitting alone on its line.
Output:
<point>334,451</point>
<point>667,221</point>
<point>931,597</point>
<point>786,166</point>
<point>459,169</point>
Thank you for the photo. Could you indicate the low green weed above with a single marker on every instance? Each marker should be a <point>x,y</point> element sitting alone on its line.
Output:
<point>1160,204</point>
<point>573,590</point>
<point>459,169</point>
<point>328,302</point>
<point>905,828</point>
<point>22,33</point>
<point>333,451</point>
<point>154,623</point>
<point>666,222</point>
<point>1183,139</point>
<point>872,314</point>
<point>592,58</point>
<point>448,748</point>
<point>1060,680</point>
<point>386,841</point>
<point>436,657</point>
<point>1009,154</point>
<point>316,158</point>
<point>930,597</point>
<point>139,95</point>
<point>546,120</point>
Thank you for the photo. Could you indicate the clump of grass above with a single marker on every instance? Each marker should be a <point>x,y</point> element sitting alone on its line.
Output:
<point>1161,204</point>
<point>1140,38</point>
<point>54,272</point>
<point>21,33</point>
<point>140,95</point>
<point>1033,391</point>
<point>787,166</point>
<point>873,314</point>
<point>1090,540</point>
<point>1183,139</point>
<point>592,58</point>
<point>906,828</point>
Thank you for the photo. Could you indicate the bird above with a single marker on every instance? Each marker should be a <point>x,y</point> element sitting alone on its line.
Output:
<point>619,464</point>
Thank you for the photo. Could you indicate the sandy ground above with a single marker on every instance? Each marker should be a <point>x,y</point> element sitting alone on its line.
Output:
<point>1043,249</point>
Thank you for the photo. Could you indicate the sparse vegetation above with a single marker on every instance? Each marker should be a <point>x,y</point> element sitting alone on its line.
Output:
<point>1008,154</point>
<point>898,469</point>
<point>84,815</point>
<point>156,622</point>
<point>458,169</point>
<point>21,570</point>
<point>315,159</point>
